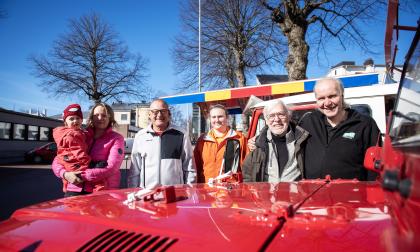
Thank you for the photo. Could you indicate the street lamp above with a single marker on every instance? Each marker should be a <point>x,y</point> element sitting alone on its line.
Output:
<point>199,64</point>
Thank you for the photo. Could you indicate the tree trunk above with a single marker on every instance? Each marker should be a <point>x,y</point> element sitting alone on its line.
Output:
<point>240,70</point>
<point>240,76</point>
<point>297,60</point>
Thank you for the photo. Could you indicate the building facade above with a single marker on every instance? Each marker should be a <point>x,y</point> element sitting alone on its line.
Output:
<point>131,117</point>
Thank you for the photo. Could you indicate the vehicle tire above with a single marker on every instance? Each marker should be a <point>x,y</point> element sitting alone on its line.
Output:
<point>37,159</point>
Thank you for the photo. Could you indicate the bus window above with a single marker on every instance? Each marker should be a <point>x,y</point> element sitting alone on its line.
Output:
<point>19,132</point>
<point>5,130</point>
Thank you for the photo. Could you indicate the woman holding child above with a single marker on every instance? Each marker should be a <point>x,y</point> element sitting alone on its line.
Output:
<point>106,151</point>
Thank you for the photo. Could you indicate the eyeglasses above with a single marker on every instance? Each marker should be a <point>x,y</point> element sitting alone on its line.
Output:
<point>162,111</point>
<point>280,115</point>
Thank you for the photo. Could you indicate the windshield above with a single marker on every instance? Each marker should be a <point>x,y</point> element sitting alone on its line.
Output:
<point>405,127</point>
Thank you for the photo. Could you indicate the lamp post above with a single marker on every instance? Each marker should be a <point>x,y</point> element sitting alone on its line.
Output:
<point>199,45</point>
<point>199,64</point>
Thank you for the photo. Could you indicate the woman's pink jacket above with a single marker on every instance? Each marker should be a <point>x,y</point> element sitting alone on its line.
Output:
<point>110,148</point>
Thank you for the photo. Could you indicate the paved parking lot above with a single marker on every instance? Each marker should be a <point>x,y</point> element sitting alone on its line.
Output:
<point>26,184</point>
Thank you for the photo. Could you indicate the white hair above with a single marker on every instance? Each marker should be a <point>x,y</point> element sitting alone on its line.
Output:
<point>276,103</point>
<point>338,84</point>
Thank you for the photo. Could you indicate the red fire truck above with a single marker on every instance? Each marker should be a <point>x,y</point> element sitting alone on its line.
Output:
<point>309,215</point>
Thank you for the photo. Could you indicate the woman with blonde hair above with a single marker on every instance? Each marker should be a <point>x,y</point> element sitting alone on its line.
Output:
<point>106,149</point>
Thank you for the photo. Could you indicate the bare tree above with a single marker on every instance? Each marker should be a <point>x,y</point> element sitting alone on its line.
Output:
<point>319,21</point>
<point>177,117</point>
<point>90,60</point>
<point>237,39</point>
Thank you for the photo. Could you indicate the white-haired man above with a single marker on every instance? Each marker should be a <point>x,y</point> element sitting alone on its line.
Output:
<point>278,153</point>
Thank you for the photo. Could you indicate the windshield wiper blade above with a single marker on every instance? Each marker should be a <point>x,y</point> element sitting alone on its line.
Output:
<point>399,114</point>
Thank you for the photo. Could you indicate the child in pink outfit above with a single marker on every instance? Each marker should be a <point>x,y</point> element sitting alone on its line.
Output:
<point>72,143</point>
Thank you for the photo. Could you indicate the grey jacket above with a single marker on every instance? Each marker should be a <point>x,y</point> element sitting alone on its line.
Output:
<point>161,160</point>
<point>261,164</point>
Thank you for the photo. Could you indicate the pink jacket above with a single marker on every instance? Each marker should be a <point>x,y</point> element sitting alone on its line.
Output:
<point>110,148</point>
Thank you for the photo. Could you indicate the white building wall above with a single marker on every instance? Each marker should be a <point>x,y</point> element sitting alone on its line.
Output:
<point>120,115</point>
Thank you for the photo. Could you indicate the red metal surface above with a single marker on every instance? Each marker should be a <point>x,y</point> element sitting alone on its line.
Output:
<point>342,216</point>
<point>389,43</point>
<point>233,219</point>
<point>406,212</point>
<point>246,92</point>
<point>304,107</point>
<point>253,123</point>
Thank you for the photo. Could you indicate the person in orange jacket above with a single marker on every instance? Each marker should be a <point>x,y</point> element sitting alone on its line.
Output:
<point>209,152</point>
<point>72,143</point>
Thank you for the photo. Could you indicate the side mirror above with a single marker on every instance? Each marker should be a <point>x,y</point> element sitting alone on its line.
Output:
<point>372,160</point>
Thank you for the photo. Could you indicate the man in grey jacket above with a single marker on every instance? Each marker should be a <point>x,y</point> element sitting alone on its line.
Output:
<point>162,153</point>
<point>278,155</point>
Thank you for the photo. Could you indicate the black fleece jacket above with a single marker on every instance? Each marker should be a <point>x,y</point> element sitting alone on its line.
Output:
<point>341,157</point>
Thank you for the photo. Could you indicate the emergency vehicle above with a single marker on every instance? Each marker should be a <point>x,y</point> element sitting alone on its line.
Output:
<point>309,215</point>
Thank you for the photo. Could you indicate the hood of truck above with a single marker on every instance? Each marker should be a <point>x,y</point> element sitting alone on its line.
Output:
<point>314,215</point>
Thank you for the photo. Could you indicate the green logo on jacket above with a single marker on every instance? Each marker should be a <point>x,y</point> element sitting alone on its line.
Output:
<point>349,135</point>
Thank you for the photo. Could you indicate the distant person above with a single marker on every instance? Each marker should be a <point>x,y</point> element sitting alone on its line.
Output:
<point>278,153</point>
<point>72,148</point>
<point>210,153</point>
<point>106,152</point>
<point>162,153</point>
<point>339,136</point>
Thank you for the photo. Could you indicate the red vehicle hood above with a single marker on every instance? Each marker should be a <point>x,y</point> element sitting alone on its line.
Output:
<point>309,215</point>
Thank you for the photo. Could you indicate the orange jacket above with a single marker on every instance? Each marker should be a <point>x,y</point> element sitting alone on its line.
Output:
<point>72,149</point>
<point>208,154</point>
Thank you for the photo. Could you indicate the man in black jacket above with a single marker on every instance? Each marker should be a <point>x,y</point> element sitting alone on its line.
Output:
<point>339,136</point>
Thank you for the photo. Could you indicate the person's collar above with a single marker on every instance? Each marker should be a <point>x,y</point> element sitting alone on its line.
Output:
<point>290,135</point>
<point>151,130</point>
<point>160,130</point>
<point>219,134</point>
<point>91,131</point>
<point>343,117</point>
<point>211,137</point>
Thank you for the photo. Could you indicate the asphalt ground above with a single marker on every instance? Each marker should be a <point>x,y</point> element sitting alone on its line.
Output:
<point>23,185</point>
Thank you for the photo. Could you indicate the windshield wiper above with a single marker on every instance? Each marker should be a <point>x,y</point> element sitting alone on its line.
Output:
<point>399,114</point>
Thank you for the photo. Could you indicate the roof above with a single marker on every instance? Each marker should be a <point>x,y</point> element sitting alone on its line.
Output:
<point>349,93</point>
<point>128,106</point>
<point>290,87</point>
<point>264,79</point>
<point>344,63</point>
<point>7,111</point>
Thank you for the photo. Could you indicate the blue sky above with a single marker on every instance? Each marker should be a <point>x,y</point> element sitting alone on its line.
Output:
<point>148,27</point>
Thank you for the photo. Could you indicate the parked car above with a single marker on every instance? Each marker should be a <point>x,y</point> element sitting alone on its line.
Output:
<point>45,153</point>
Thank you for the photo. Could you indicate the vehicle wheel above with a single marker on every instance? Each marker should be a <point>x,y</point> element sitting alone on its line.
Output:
<point>37,159</point>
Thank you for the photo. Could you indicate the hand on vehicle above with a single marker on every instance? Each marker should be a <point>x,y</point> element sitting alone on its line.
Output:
<point>251,143</point>
<point>73,177</point>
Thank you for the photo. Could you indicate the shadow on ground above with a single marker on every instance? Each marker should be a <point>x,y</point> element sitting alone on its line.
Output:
<point>21,187</point>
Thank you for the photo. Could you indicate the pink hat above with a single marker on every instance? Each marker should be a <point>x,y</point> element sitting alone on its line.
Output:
<point>72,109</point>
